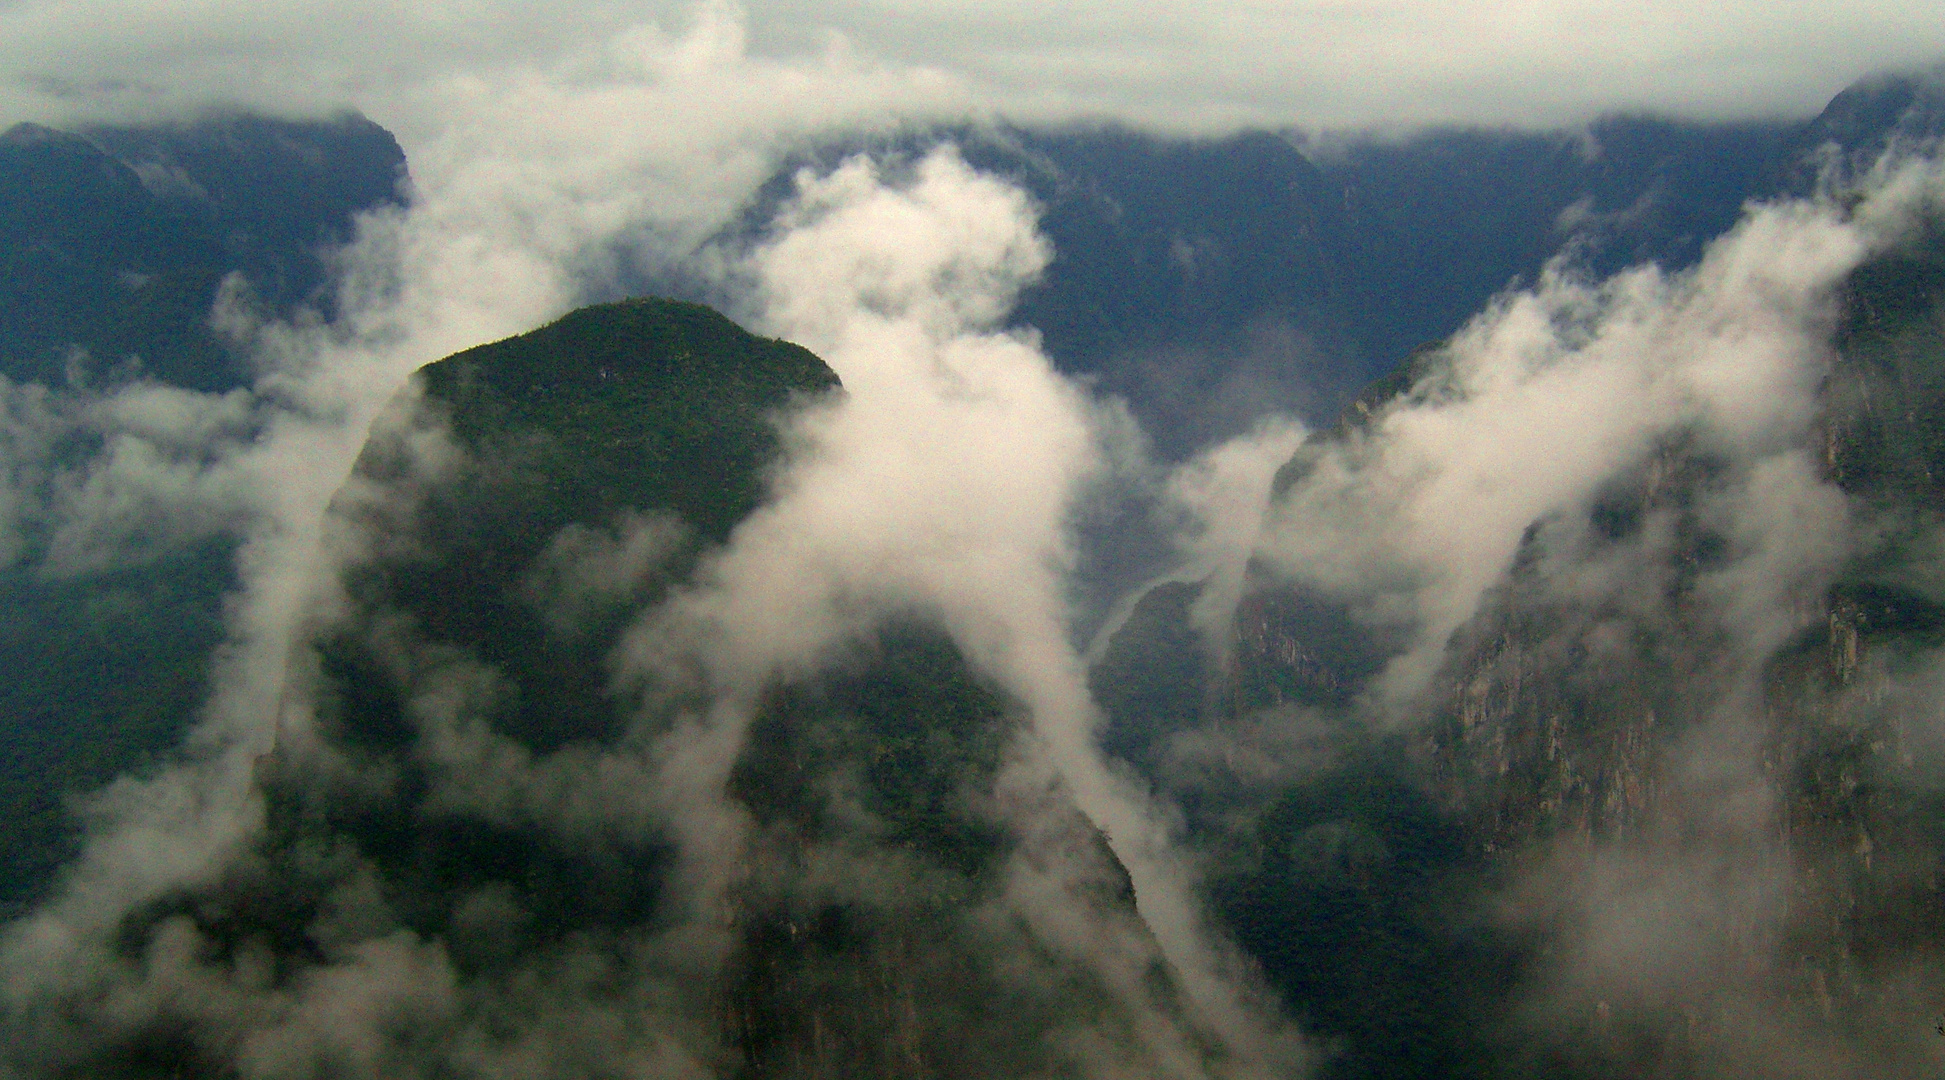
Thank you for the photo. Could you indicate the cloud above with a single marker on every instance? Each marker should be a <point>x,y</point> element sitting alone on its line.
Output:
<point>941,485</point>
<point>1224,496</point>
<point>31,421</point>
<point>155,485</point>
<point>493,244</point>
<point>94,481</point>
<point>526,178</point>
<point>586,570</point>
<point>1550,394</point>
<point>1175,66</point>
<point>1356,65</point>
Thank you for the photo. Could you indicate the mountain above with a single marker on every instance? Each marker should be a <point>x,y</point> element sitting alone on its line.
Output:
<point>1570,733</point>
<point>476,792</point>
<point>1533,744</point>
<point>117,239</point>
<point>1860,124</point>
<point>279,195</point>
<point>1211,282</point>
<point>98,263</point>
<point>115,244</point>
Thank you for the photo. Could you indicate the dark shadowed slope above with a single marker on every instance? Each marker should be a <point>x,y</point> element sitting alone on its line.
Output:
<point>115,240</point>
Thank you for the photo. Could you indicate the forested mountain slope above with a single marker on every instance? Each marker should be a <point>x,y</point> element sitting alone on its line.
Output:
<point>475,797</point>
<point>1414,884</point>
<point>114,246</point>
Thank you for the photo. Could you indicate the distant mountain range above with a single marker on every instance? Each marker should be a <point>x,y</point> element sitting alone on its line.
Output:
<point>1210,281</point>
<point>1260,271</point>
<point>117,239</point>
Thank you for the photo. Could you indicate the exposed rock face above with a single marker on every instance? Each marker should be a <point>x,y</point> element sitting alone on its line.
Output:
<point>1294,647</point>
<point>459,871</point>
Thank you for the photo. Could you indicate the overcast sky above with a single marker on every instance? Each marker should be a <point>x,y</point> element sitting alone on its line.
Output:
<point>1166,63</point>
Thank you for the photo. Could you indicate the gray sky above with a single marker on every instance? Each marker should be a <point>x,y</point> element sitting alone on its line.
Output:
<point>1165,63</point>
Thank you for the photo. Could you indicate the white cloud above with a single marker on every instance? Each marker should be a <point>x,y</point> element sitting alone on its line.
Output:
<point>940,484</point>
<point>943,483</point>
<point>1549,394</point>
<point>31,419</point>
<point>1174,65</point>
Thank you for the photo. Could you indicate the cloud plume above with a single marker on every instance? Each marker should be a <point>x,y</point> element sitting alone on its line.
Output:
<point>942,484</point>
<point>940,488</point>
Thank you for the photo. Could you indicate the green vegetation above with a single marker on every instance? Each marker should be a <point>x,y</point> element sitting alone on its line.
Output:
<point>105,279</point>
<point>619,409</point>
<point>91,260</point>
<point>644,405</point>
<point>1358,908</point>
<point>1886,399</point>
<point>885,759</point>
<point>1361,881</point>
<point>1154,676</point>
<point>106,674</point>
<point>909,733</point>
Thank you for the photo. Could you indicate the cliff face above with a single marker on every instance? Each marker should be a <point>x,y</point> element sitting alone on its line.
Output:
<point>1545,724</point>
<point>463,867</point>
<point>1614,764</point>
